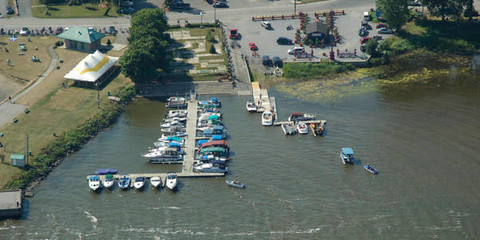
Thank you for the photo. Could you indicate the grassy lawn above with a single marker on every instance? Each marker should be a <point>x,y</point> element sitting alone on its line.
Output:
<point>52,110</point>
<point>21,68</point>
<point>87,10</point>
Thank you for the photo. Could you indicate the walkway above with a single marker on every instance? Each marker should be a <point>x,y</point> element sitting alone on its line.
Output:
<point>192,133</point>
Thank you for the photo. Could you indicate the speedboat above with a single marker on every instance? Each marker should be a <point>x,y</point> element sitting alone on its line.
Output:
<point>267,118</point>
<point>235,183</point>
<point>251,106</point>
<point>172,124</point>
<point>176,102</point>
<point>139,183</point>
<point>109,181</point>
<point>346,155</point>
<point>211,168</point>
<point>318,128</point>
<point>106,171</point>
<point>166,155</point>
<point>211,103</point>
<point>289,129</point>
<point>176,114</point>
<point>171,181</point>
<point>174,134</point>
<point>124,182</point>
<point>156,182</point>
<point>370,169</point>
<point>94,183</point>
<point>301,117</point>
<point>173,129</point>
<point>302,128</point>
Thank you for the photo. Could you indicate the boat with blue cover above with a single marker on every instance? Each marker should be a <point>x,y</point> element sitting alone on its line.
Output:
<point>346,155</point>
<point>210,103</point>
<point>106,171</point>
<point>124,182</point>
<point>370,169</point>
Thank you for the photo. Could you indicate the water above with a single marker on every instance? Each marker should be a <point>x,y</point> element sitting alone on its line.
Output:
<point>425,144</point>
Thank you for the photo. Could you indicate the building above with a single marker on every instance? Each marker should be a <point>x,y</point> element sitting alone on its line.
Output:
<point>317,30</point>
<point>18,160</point>
<point>11,204</point>
<point>93,70</point>
<point>82,39</point>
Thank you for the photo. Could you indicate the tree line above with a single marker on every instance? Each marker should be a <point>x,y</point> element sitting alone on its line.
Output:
<point>148,43</point>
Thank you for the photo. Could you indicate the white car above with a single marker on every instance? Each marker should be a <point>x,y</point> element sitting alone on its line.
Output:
<point>385,31</point>
<point>25,31</point>
<point>296,50</point>
<point>266,25</point>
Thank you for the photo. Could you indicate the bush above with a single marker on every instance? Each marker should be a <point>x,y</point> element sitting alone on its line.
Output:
<point>371,48</point>
<point>209,37</point>
<point>314,70</point>
<point>59,43</point>
<point>109,43</point>
<point>212,49</point>
<point>376,61</point>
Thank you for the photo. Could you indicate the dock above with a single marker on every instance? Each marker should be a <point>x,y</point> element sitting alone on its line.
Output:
<point>11,204</point>
<point>263,100</point>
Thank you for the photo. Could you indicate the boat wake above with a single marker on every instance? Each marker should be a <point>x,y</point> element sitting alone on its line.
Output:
<point>93,219</point>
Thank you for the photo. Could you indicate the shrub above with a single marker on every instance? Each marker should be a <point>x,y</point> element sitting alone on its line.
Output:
<point>212,49</point>
<point>209,37</point>
<point>59,43</point>
<point>109,43</point>
<point>314,70</point>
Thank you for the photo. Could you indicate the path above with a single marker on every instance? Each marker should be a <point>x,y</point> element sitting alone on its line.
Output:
<point>25,8</point>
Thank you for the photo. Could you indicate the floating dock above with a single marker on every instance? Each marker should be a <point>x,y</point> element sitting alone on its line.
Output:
<point>10,204</point>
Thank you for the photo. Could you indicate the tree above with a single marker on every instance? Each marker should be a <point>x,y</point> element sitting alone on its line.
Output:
<point>444,8</point>
<point>148,22</point>
<point>395,12</point>
<point>371,47</point>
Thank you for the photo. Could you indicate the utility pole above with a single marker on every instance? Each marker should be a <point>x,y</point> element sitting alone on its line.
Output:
<point>27,150</point>
<point>294,7</point>
<point>201,18</point>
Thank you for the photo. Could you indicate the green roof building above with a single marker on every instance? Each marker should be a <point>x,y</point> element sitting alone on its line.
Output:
<point>18,160</point>
<point>82,39</point>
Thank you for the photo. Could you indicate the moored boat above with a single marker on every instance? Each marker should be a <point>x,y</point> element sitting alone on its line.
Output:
<point>176,102</point>
<point>289,129</point>
<point>109,181</point>
<point>165,155</point>
<point>156,182</point>
<point>302,128</point>
<point>176,114</point>
<point>370,169</point>
<point>346,155</point>
<point>124,182</point>
<point>235,183</point>
<point>215,167</point>
<point>318,129</point>
<point>106,171</point>
<point>94,183</point>
<point>251,106</point>
<point>139,183</point>
<point>171,181</point>
<point>297,116</point>
<point>267,118</point>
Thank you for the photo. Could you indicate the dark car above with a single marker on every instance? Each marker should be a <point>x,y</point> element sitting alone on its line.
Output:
<point>266,61</point>
<point>220,5</point>
<point>277,62</point>
<point>126,10</point>
<point>112,30</point>
<point>9,10</point>
<point>284,41</point>
<point>58,30</point>
<point>366,25</point>
<point>363,32</point>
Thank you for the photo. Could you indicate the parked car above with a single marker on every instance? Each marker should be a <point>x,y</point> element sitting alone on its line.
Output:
<point>266,61</point>
<point>252,46</point>
<point>378,38</point>
<point>366,25</point>
<point>385,31</point>
<point>220,5</point>
<point>381,25</point>
<point>363,47</point>
<point>127,3</point>
<point>296,50</point>
<point>25,31</point>
<point>59,30</point>
<point>365,40</point>
<point>126,10</point>
<point>112,30</point>
<point>284,41</point>
<point>363,32</point>
<point>277,62</point>
<point>266,25</point>
<point>9,10</point>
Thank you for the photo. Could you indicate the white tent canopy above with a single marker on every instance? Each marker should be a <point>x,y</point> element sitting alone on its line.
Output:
<point>92,67</point>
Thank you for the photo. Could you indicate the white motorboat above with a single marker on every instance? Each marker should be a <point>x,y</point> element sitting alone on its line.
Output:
<point>174,129</point>
<point>177,114</point>
<point>289,129</point>
<point>109,181</point>
<point>211,168</point>
<point>172,125</point>
<point>171,181</point>
<point>94,183</point>
<point>174,134</point>
<point>175,119</point>
<point>139,183</point>
<point>163,156</point>
<point>267,118</point>
<point>301,117</point>
<point>302,128</point>
<point>156,182</point>
<point>251,106</point>
<point>209,116</point>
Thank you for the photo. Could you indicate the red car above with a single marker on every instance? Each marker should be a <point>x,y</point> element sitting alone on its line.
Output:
<point>252,46</point>
<point>381,25</point>
<point>365,40</point>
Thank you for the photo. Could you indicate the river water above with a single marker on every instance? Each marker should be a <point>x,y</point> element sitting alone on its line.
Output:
<point>424,143</point>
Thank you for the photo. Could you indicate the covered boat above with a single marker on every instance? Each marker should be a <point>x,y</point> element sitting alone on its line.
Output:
<point>166,155</point>
<point>214,143</point>
<point>267,118</point>
<point>235,183</point>
<point>211,103</point>
<point>106,171</point>
<point>109,181</point>
<point>94,183</point>
<point>217,152</point>
<point>124,182</point>
<point>297,116</point>
<point>346,155</point>
<point>251,106</point>
<point>370,169</point>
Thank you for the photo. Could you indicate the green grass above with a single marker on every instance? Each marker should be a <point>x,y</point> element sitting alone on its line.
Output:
<point>314,70</point>
<point>87,10</point>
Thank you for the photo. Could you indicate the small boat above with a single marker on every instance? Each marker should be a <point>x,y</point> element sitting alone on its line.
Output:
<point>235,183</point>
<point>302,128</point>
<point>297,116</point>
<point>106,171</point>
<point>176,114</point>
<point>139,183</point>
<point>109,181</point>
<point>174,134</point>
<point>289,129</point>
<point>166,155</point>
<point>156,182</point>
<point>176,102</point>
<point>318,128</point>
<point>171,181</point>
<point>124,182</point>
<point>215,167</point>
<point>346,155</point>
<point>251,106</point>
<point>211,103</point>
<point>267,118</point>
<point>172,124</point>
<point>173,129</point>
<point>370,169</point>
<point>175,119</point>
<point>94,183</point>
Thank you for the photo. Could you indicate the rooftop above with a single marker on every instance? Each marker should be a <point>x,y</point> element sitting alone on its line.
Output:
<point>81,34</point>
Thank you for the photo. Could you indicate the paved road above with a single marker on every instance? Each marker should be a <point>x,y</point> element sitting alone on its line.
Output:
<point>25,8</point>
<point>3,5</point>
